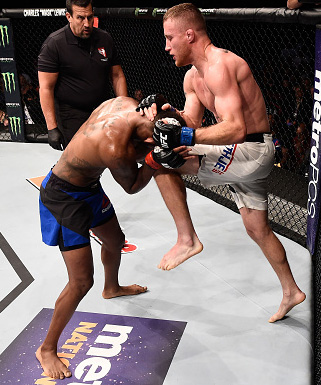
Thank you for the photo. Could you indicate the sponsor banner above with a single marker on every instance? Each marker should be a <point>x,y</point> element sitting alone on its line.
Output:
<point>99,349</point>
<point>6,38</point>
<point>34,12</point>
<point>10,80</point>
<point>44,12</point>
<point>11,84</point>
<point>315,155</point>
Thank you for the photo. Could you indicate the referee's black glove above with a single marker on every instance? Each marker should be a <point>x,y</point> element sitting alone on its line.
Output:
<point>55,139</point>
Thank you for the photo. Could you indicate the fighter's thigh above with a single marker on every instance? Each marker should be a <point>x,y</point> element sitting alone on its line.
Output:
<point>110,233</point>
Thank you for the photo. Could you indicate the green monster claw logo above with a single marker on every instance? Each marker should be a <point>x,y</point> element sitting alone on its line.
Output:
<point>136,11</point>
<point>154,13</point>
<point>4,35</point>
<point>15,125</point>
<point>8,78</point>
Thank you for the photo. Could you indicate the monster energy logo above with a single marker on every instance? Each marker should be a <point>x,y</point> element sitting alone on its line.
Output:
<point>4,35</point>
<point>8,78</point>
<point>141,11</point>
<point>15,125</point>
<point>158,11</point>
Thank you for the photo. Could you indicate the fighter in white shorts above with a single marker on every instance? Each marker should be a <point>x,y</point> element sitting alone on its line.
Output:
<point>244,167</point>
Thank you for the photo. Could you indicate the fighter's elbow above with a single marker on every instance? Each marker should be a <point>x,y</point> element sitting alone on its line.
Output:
<point>241,134</point>
<point>128,189</point>
<point>132,190</point>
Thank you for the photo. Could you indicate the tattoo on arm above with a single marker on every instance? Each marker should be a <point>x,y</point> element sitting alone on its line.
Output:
<point>119,105</point>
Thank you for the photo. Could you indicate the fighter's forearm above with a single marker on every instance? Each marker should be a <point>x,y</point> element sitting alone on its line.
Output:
<point>189,121</point>
<point>220,134</point>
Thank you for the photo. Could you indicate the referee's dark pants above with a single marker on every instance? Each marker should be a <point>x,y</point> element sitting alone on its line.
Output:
<point>69,120</point>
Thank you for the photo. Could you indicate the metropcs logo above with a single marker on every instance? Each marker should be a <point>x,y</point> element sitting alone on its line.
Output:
<point>15,125</point>
<point>9,81</point>
<point>99,349</point>
<point>315,147</point>
<point>4,37</point>
<point>98,364</point>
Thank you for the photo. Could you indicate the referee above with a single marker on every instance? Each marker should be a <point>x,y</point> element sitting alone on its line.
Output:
<point>76,66</point>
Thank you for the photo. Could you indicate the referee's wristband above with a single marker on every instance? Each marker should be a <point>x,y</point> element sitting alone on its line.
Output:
<point>187,136</point>
<point>149,160</point>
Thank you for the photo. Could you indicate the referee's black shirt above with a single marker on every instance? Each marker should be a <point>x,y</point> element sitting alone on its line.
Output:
<point>83,66</point>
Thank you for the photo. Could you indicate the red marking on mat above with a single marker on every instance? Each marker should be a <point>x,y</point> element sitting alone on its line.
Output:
<point>128,247</point>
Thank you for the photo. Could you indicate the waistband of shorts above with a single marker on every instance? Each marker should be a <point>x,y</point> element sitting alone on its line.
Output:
<point>257,137</point>
<point>62,184</point>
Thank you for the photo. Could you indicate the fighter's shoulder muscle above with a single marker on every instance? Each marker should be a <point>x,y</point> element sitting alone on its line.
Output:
<point>229,62</point>
<point>189,79</point>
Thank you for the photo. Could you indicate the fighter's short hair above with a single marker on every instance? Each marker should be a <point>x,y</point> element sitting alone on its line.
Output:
<point>189,13</point>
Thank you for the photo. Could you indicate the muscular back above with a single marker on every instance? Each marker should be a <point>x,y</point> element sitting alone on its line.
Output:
<point>103,141</point>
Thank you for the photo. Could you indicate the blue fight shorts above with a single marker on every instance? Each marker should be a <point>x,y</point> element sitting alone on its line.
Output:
<point>68,212</point>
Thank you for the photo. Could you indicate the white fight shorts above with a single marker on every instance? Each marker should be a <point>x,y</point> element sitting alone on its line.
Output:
<point>244,167</point>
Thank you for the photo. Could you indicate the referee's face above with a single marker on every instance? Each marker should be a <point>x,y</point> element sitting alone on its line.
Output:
<point>81,21</point>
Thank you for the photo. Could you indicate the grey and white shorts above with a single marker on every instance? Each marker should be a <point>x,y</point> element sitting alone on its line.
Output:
<point>244,167</point>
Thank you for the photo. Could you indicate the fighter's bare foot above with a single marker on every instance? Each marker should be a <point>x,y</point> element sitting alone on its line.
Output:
<point>124,290</point>
<point>287,304</point>
<point>179,254</point>
<point>51,364</point>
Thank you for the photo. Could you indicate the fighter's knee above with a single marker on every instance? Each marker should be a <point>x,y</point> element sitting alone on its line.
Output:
<point>81,286</point>
<point>251,233</point>
<point>258,233</point>
<point>87,284</point>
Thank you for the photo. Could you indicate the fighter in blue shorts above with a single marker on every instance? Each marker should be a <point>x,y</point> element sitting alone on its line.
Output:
<point>68,212</point>
<point>72,202</point>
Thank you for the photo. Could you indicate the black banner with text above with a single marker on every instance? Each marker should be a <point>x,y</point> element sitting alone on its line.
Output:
<point>10,81</point>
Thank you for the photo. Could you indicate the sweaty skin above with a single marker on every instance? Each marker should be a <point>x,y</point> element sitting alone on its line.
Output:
<point>217,90</point>
<point>223,83</point>
<point>114,137</point>
<point>83,162</point>
<point>107,140</point>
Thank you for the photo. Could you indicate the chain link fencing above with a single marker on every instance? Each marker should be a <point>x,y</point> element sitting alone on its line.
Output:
<point>280,54</point>
<point>279,48</point>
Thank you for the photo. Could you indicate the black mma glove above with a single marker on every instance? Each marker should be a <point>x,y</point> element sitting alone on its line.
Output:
<point>147,102</point>
<point>55,139</point>
<point>171,135</point>
<point>167,158</point>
